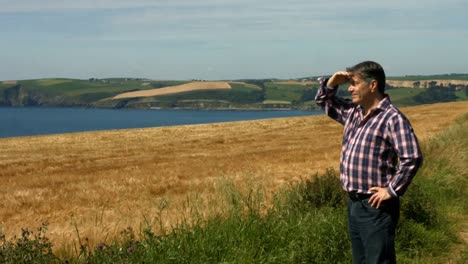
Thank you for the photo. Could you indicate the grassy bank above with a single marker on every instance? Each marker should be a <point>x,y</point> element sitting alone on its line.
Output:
<point>306,223</point>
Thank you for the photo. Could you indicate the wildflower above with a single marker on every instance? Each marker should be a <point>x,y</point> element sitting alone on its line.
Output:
<point>100,246</point>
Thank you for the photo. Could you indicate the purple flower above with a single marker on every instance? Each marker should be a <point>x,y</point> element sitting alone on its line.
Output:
<point>130,249</point>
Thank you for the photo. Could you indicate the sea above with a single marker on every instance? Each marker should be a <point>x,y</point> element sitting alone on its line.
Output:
<point>32,121</point>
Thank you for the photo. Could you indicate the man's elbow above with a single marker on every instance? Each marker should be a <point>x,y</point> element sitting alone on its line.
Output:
<point>419,160</point>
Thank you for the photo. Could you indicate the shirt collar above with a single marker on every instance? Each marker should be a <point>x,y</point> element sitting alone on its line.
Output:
<point>383,104</point>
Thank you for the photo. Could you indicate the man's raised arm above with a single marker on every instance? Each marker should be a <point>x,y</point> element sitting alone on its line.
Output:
<point>335,107</point>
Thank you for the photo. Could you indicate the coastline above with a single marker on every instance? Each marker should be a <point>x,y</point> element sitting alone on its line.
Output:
<point>30,121</point>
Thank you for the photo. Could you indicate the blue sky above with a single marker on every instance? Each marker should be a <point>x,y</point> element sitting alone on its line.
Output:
<point>228,39</point>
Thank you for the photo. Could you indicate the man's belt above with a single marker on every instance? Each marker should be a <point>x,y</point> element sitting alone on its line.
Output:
<point>355,196</point>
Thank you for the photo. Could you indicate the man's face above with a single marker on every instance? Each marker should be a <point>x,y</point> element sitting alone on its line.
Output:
<point>360,90</point>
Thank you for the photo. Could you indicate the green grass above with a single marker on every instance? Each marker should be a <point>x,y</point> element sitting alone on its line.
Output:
<point>402,93</point>
<point>403,96</point>
<point>311,104</point>
<point>283,92</point>
<point>74,87</point>
<point>243,88</point>
<point>75,92</point>
<point>461,95</point>
<point>90,92</point>
<point>239,94</point>
<point>440,192</point>
<point>305,224</point>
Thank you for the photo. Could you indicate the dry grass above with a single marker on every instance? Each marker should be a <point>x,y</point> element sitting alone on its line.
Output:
<point>9,82</point>
<point>102,182</point>
<point>193,86</point>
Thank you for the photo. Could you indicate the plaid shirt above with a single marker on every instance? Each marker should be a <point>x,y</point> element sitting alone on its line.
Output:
<point>380,150</point>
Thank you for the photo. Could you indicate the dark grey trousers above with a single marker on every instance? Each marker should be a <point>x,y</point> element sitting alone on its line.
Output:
<point>372,231</point>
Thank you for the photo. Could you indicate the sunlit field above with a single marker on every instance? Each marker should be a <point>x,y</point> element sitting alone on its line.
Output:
<point>95,184</point>
<point>193,86</point>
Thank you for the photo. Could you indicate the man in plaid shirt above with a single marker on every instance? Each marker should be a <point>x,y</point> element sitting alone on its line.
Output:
<point>379,157</point>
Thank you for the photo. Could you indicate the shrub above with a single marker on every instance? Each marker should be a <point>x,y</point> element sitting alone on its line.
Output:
<point>30,247</point>
<point>418,206</point>
<point>317,192</point>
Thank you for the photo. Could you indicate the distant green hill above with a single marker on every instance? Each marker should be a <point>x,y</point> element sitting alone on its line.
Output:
<point>239,96</point>
<point>248,93</point>
<point>97,93</point>
<point>72,92</point>
<point>452,76</point>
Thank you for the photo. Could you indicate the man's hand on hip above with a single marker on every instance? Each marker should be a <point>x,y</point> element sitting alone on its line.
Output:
<point>380,195</point>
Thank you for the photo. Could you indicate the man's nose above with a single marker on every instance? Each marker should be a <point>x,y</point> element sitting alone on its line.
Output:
<point>350,88</point>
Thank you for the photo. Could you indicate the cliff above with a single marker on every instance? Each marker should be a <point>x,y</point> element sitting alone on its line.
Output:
<point>18,95</point>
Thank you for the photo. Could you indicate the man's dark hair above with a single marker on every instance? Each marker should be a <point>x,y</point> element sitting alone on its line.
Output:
<point>370,70</point>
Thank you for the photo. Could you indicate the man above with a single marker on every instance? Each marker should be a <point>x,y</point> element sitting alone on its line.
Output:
<point>379,157</point>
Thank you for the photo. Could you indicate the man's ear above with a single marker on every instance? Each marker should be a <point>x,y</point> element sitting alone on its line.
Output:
<point>373,86</point>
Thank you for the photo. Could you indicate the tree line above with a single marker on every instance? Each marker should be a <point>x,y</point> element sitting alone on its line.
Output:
<point>438,92</point>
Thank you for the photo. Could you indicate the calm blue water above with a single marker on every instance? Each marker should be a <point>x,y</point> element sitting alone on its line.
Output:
<point>30,121</point>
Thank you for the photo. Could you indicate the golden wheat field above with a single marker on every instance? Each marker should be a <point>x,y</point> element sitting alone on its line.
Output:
<point>101,182</point>
<point>193,86</point>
